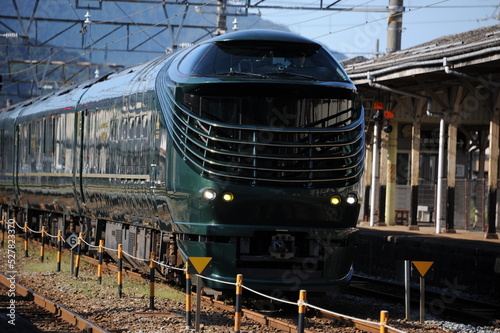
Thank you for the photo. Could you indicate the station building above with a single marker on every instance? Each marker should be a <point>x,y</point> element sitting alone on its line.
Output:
<point>432,132</point>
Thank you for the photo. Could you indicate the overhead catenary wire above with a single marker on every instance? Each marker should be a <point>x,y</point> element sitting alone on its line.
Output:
<point>88,52</point>
<point>375,20</point>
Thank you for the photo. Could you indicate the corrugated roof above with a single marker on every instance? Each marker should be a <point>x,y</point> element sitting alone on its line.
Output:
<point>462,44</point>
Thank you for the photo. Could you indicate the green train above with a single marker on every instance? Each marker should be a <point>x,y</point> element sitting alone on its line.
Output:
<point>247,148</point>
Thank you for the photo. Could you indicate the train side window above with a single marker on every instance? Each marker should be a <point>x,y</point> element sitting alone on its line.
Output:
<point>114,130</point>
<point>145,127</point>
<point>36,142</point>
<point>124,128</point>
<point>138,127</point>
<point>132,129</point>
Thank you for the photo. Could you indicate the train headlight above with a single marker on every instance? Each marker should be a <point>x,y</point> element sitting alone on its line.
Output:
<point>208,194</point>
<point>352,199</point>
<point>335,200</point>
<point>227,196</point>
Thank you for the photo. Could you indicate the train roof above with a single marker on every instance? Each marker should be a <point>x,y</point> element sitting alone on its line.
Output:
<point>261,35</point>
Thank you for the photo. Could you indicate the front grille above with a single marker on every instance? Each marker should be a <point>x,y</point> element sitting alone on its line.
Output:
<point>326,152</point>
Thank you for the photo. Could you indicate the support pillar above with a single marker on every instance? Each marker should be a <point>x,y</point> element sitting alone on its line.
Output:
<point>375,167</point>
<point>368,182</point>
<point>491,232</point>
<point>392,153</point>
<point>439,194</point>
<point>383,179</point>
<point>415,169</point>
<point>452,166</point>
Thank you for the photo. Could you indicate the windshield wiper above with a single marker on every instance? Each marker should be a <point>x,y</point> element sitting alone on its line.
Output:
<point>233,73</point>
<point>288,74</point>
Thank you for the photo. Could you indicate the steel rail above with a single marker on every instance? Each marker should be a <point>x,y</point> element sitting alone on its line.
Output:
<point>54,308</point>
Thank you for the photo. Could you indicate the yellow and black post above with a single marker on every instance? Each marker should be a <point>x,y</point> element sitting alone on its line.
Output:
<point>2,243</point>
<point>302,311</point>
<point>237,305</point>
<point>78,254</point>
<point>188,298</point>
<point>151,281</point>
<point>120,268</point>
<point>99,266</point>
<point>59,249</point>
<point>26,235</point>
<point>42,248</point>
<point>384,317</point>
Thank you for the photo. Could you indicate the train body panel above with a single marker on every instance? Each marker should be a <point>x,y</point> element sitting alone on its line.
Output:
<point>247,148</point>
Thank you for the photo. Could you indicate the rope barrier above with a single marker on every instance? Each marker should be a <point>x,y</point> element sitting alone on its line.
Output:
<point>299,303</point>
<point>215,280</point>
<point>169,267</point>
<point>270,297</point>
<point>136,258</point>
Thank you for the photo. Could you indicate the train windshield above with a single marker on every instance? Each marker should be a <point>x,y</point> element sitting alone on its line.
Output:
<point>263,60</point>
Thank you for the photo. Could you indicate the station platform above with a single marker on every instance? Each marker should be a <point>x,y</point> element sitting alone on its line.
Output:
<point>430,230</point>
<point>464,262</point>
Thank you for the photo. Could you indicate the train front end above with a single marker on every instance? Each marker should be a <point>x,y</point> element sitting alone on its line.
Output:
<point>265,154</point>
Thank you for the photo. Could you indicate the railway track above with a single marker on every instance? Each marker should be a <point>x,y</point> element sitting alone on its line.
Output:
<point>446,304</point>
<point>317,320</point>
<point>29,311</point>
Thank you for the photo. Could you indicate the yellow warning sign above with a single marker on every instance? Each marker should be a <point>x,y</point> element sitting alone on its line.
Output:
<point>197,265</point>
<point>422,266</point>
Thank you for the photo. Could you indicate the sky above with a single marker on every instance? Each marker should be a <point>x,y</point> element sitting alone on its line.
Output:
<point>355,33</point>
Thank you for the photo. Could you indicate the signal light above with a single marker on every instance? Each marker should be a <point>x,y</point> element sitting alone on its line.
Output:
<point>335,200</point>
<point>352,199</point>
<point>227,196</point>
<point>208,194</point>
